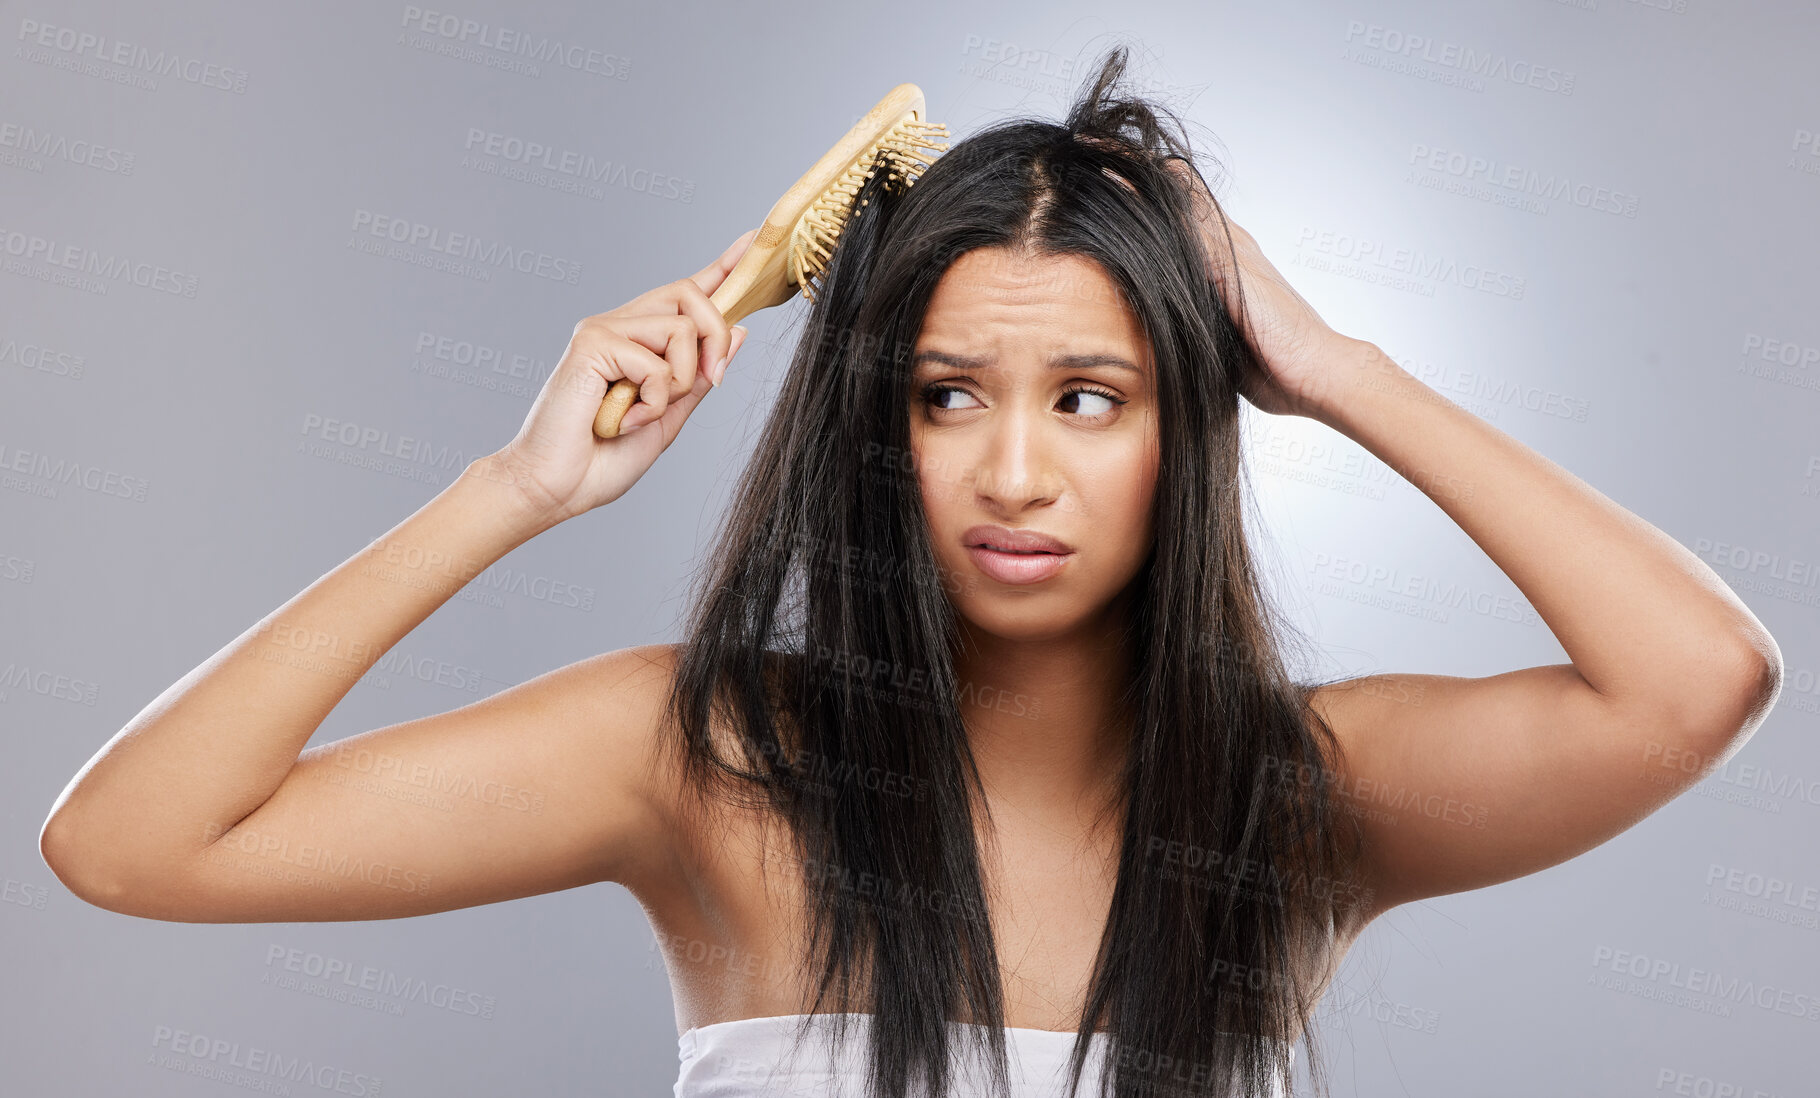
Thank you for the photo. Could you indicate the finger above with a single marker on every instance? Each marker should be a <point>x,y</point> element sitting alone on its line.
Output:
<point>1219,233</point>
<point>674,337</point>
<point>683,297</point>
<point>739,340</point>
<point>1199,196</point>
<point>714,336</point>
<point>1226,254</point>
<point>1181,169</point>
<point>672,419</point>
<point>717,340</point>
<point>670,423</point>
<point>628,358</point>
<point>1226,245</point>
<point>710,277</point>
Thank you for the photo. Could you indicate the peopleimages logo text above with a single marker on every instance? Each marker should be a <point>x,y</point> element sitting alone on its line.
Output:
<point>1460,58</point>
<point>95,264</point>
<point>573,164</point>
<point>466,246</point>
<point>130,55</point>
<point>515,43</point>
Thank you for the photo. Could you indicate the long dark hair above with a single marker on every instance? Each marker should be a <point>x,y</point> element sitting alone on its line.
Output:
<point>822,636</point>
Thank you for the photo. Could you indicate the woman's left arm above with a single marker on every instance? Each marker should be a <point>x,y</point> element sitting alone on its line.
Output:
<point>1459,782</point>
<point>1506,775</point>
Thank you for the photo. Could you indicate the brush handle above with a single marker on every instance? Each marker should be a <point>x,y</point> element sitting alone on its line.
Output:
<point>764,277</point>
<point>756,282</point>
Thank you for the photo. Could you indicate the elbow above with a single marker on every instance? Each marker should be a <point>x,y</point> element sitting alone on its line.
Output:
<point>1763,685</point>
<point>63,857</point>
<point>78,868</point>
<point>57,849</point>
<point>1742,693</point>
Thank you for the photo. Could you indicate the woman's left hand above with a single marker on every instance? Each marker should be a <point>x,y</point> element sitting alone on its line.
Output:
<point>1294,346</point>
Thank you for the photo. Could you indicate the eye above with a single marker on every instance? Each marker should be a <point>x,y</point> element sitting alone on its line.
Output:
<point>932,395</point>
<point>1111,399</point>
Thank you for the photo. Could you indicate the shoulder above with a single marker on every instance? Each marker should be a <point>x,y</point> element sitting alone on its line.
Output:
<point>631,691</point>
<point>615,704</point>
<point>1346,709</point>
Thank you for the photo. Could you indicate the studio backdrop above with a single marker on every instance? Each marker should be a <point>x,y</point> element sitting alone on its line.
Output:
<point>271,276</point>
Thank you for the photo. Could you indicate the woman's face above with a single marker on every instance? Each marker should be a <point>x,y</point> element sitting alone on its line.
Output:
<point>1032,408</point>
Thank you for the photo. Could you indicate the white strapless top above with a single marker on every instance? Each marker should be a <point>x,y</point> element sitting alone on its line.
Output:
<point>747,1058</point>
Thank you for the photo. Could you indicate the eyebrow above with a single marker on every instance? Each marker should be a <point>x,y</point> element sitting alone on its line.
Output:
<point>1059,362</point>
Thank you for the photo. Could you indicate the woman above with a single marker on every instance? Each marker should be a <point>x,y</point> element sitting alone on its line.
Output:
<point>981,663</point>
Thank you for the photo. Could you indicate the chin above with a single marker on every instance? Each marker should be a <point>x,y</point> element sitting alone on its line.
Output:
<point>1023,615</point>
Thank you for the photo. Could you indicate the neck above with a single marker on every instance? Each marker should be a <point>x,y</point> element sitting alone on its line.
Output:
<point>1043,718</point>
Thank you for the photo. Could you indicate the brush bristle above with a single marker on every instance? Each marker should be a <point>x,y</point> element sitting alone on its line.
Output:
<point>905,146</point>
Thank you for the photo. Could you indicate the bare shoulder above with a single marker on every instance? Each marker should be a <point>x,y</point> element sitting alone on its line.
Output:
<point>1365,714</point>
<point>637,683</point>
<point>628,691</point>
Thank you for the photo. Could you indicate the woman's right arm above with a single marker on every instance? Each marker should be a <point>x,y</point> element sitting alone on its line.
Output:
<point>207,808</point>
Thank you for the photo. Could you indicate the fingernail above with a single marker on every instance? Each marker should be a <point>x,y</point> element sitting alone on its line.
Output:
<point>733,346</point>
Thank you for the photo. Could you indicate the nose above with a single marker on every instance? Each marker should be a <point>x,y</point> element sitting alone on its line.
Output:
<point>1012,471</point>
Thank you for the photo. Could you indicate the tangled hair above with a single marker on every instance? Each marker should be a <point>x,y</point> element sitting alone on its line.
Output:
<point>1232,858</point>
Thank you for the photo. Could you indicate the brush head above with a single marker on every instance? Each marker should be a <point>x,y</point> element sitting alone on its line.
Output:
<point>799,234</point>
<point>902,152</point>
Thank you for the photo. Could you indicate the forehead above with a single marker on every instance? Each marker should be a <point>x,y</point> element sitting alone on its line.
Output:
<point>991,294</point>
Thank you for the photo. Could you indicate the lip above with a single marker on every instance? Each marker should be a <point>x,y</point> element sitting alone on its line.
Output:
<point>1003,537</point>
<point>1041,555</point>
<point>1017,567</point>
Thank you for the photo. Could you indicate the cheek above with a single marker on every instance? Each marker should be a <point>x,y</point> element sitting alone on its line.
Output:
<point>1122,503</point>
<point>1152,468</point>
<point>921,476</point>
<point>1126,488</point>
<point>932,471</point>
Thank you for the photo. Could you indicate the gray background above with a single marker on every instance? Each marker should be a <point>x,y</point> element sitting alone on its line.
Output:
<point>206,495</point>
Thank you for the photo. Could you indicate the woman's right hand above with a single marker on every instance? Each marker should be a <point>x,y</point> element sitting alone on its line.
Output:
<point>673,342</point>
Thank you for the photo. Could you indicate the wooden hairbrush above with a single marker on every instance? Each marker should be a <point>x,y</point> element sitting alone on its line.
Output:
<point>794,244</point>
